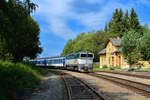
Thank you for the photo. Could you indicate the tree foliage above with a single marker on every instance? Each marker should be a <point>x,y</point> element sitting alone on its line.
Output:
<point>134,22</point>
<point>68,47</point>
<point>129,44</point>
<point>121,23</point>
<point>19,34</point>
<point>116,24</point>
<point>144,46</point>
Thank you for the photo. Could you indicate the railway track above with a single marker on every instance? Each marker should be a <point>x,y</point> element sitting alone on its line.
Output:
<point>79,90</point>
<point>127,74</point>
<point>138,87</point>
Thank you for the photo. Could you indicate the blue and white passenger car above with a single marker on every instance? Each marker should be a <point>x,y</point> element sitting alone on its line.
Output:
<point>58,61</point>
<point>38,61</point>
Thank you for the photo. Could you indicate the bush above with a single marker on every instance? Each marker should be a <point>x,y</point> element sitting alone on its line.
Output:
<point>111,68</point>
<point>104,66</point>
<point>16,77</point>
<point>115,67</point>
<point>95,66</point>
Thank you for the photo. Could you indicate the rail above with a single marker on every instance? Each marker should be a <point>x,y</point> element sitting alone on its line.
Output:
<point>79,90</point>
<point>132,85</point>
<point>127,74</point>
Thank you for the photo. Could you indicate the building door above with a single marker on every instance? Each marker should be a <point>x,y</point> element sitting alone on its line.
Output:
<point>119,61</point>
<point>112,61</point>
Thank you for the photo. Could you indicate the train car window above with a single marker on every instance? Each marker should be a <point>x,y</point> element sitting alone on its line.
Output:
<point>83,55</point>
<point>90,55</point>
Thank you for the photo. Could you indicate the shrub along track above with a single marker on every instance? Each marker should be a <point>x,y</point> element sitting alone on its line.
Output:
<point>141,88</point>
<point>79,90</point>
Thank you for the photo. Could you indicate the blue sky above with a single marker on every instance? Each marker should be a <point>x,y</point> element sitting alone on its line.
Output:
<point>61,20</point>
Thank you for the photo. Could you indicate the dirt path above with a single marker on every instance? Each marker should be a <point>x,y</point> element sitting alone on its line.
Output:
<point>51,88</point>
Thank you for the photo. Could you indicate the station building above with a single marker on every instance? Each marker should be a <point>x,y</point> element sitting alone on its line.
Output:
<point>112,56</point>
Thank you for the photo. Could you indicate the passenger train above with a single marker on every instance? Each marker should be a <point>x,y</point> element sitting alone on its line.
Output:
<point>79,61</point>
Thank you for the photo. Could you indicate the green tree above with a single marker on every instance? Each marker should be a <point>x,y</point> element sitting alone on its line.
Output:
<point>129,47</point>
<point>20,33</point>
<point>68,47</point>
<point>106,28</point>
<point>26,40</point>
<point>116,24</point>
<point>99,40</point>
<point>83,42</point>
<point>134,22</point>
<point>5,28</point>
<point>145,28</point>
<point>78,42</point>
<point>144,46</point>
<point>126,22</point>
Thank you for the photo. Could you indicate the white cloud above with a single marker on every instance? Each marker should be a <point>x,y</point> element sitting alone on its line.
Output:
<point>57,12</point>
<point>60,28</point>
<point>99,18</point>
<point>54,7</point>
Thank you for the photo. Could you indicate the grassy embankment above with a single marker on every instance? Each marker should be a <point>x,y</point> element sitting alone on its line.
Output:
<point>17,77</point>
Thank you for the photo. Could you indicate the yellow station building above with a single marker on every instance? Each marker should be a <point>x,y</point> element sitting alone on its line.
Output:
<point>112,56</point>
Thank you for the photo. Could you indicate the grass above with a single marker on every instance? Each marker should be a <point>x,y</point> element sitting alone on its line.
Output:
<point>18,76</point>
<point>56,72</point>
<point>96,68</point>
<point>105,68</point>
<point>143,70</point>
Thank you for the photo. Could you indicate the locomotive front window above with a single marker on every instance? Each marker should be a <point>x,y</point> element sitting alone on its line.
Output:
<point>83,55</point>
<point>90,55</point>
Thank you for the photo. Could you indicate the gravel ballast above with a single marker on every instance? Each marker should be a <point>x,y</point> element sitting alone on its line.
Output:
<point>107,88</point>
<point>51,88</point>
